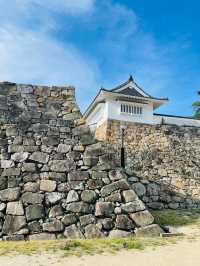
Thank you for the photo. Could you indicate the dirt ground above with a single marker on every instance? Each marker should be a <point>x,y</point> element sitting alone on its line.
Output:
<point>184,253</point>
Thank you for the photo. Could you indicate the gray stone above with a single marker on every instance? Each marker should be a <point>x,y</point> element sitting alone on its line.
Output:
<point>55,211</point>
<point>12,224</point>
<point>133,206</point>
<point>7,164</point>
<point>11,172</point>
<point>13,238</point>
<point>34,212</point>
<point>88,196</point>
<point>79,207</point>
<point>142,218</point>
<point>29,167</point>
<point>54,197</point>
<point>152,189</point>
<point>104,209</point>
<point>42,236</point>
<point>31,187</point>
<point>2,207</point>
<point>117,174</point>
<point>32,198</point>
<point>39,157</point>
<point>119,233</point>
<point>10,194</point>
<point>3,183</point>
<point>92,231</point>
<point>118,185</point>
<point>123,222</point>
<point>69,219</point>
<point>34,227</point>
<point>53,226</point>
<point>139,188</point>
<point>87,219</point>
<point>173,205</point>
<point>61,177</point>
<point>50,141</point>
<point>20,156</point>
<point>73,232</point>
<point>47,185</point>
<point>72,196</point>
<point>152,230</point>
<point>107,223</point>
<point>114,197</point>
<point>62,166</point>
<point>15,208</point>
<point>156,205</point>
<point>78,175</point>
<point>90,161</point>
<point>63,148</point>
<point>129,195</point>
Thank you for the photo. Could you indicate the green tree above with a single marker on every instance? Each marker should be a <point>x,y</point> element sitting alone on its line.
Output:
<point>196,106</point>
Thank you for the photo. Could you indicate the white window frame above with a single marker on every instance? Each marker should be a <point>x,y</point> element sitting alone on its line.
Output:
<point>131,109</point>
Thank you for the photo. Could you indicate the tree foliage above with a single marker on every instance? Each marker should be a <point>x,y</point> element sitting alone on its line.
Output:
<point>196,106</point>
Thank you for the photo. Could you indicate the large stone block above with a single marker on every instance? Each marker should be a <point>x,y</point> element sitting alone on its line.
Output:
<point>53,226</point>
<point>39,157</point>
<point>88,196</point>
<point>78,175</point>
<point>7,164</point>
<point>152,230</point>
<point>47,185</point>
<point>72,196</point>
<point>11,172</point>
<point>62,166</point>
<point>118,185</point>
<point>32,198</point>
<point>92,231</point>
<point>124,223</point>
<point>73,232</point>
<point>104,209</point>
<point>15,208</point>
<point>10,194</point>
<point>12,224</point>
<point>133,206</point>
<point>129,195</point>
<point>142,218</point>
<point>54,197</point>
<point>79,207</point>
<point>69,219</point>
<point>34,212</point>
<point>20,156</point>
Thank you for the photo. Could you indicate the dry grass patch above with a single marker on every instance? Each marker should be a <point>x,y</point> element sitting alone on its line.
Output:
<point>81,247</point>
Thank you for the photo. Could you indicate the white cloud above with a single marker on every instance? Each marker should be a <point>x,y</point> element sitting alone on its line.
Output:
<point>35,58</point>
<point>66,6</point>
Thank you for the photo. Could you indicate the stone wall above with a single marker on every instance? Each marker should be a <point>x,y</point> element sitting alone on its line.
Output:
<point>56,180</point>
<point>165,161</point>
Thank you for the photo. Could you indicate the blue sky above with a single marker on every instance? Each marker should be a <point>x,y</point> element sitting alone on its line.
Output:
<point>94,43</point>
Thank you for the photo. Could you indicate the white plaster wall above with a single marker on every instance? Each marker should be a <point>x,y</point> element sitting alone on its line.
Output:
<point>113,109</point>
<point>97,116</point>
<point>179,121</point>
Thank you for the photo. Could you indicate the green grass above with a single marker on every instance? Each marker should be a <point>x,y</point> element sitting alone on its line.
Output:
<point>81,247</point>
<point>177,217</point>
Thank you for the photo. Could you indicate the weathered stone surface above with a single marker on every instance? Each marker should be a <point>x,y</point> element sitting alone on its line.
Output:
<point>32,198</point>
<point>63,148</point>
<point>34,212</point>
<point>79,207</point>
<point>139,189</point>
<point>34,227</point>
<point>69,219</point>
<point>53,226</point>
<point>78,175</point>
<point>47,185</point>
<point>129,195</point>
<point>60,177</point>
<point>88,196</point>
<point>11,172</point>
<point>152,230</point>
<point>117,174</point>
<point>123,222</point>
<point>72,196</point>
<point>107,190</point>
<point>104,209</point>
<point>119,233</point>
<point>15,208</point>
<point>87,219</point>
<point>114,197</point>
<point>42,236</point>
<point>20,156</point>
<point>107,223</point>
<point>133,206</point>
<point>13,238</point>
<point>54,197</point>
<point>31,187</point>
<point>62,166</point>
<point>73,231</point>
<point>3,183</point>
<point>29,167</point>
<point>7,164</point>
<point>10,194</point>
<point>142,218</point>
<point>92,231</point>
<point>13,224</point>
<point>55,211</point>
<point>39,157</point>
